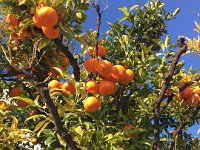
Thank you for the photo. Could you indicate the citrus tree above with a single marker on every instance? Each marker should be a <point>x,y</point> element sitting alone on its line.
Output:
<point>67,87</point>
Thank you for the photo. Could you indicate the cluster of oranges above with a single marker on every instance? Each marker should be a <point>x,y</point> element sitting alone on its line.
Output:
<point>46,18</point>
<point>55,86</point>
<point>23,35</point>
<point>190,95</point>
<point>109,74</point>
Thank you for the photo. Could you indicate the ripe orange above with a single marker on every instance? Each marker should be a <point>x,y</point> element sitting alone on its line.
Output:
<point>53,85</point>
<point>187,92</point>
<point>91,104</point>
<point>90,64</point>
<point>41,4</point>
<point>50,32</point>
<point>127,127</point>
<point>128,77</point>
<point>102,51</point>
<point>36,21</point>
<point>107,88</point>
<point>47,16</point>
<point>15,92</point>
<point>168,92</point>
<point>68,86</point>
<point>18,76</point>
<point>118,72</point>
<point>33,112</point>
<point>92,86</point>
<point>193,101</point>
<point>22,104</point>
<point>4,106</point>
<point>24,36</point>
<point>34,141</point>
<point>104,67</point>
<point>12,20</point>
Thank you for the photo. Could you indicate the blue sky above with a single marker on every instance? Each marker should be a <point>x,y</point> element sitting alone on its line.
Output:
<point>182,25</point>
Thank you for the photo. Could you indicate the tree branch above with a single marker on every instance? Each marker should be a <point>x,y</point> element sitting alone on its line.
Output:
<point>72,60</point>
<point>168,77</point>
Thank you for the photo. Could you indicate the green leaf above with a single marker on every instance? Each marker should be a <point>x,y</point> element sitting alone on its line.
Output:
<point>124,10</point>
<point>42,129</point>
<point>39,125</point>
<point>133,7</point>
<point>43,42</point>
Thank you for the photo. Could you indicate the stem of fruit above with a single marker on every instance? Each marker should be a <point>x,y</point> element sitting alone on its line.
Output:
<point>168,77</point>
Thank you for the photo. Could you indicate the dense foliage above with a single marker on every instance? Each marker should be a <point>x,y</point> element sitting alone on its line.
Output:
<point>63,87</point>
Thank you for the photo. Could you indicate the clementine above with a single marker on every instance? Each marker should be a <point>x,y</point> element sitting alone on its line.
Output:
<point>90,64</point>
<point>107,88</point>
<point>187,92</point>
<point>36,21</point>
<point>50,32</point>
<point>92,86</point>
<point>15,92</point>
<point>102,51</point>
<point>12,20</point>
<point>68,86</point>
<point>47,16</point>
<point>22,104</point>
<point>104,67</point>
<point>54,84</point>
<point>24,36</point>
<point>128,77</point>
<point>91,104</point>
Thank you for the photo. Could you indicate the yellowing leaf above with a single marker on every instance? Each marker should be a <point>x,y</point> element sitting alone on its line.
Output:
<point>42,129</point>
<point>14,123</point>
<point>197,26</point>
<point>39,125</point>
<point>61,140</point>
<point>59,70</point>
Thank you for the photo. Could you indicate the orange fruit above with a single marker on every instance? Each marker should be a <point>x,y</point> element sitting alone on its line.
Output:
<point>15,36</point>
<point>15,92</point>
<point>24,36</point>
<point>193,101</point>
<point>47,16</point>
<point>41,4</point>
<point>33,112</point>
<point>168,92</point>
<point>91,104</point>
<point>36,21</point>
<point>128,127</point>
<point>104,67</point>
<point>50,32</point>
<point>53,85</point>
<point>12,20</point>
<point>68,86</point>
<point>102,51</point>
<point>107,88</point>
<point>34,141</point>
<point>128,77</point>
<point>187,92</point>
<point>118,72</point>
<point>22,104</point>
<point>18,76</point>
<point>4,106</point>
<point>90,64</point>
<point>92,86</point>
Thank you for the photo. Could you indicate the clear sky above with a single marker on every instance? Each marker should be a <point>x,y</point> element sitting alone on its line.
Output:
<point>182,25</point>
